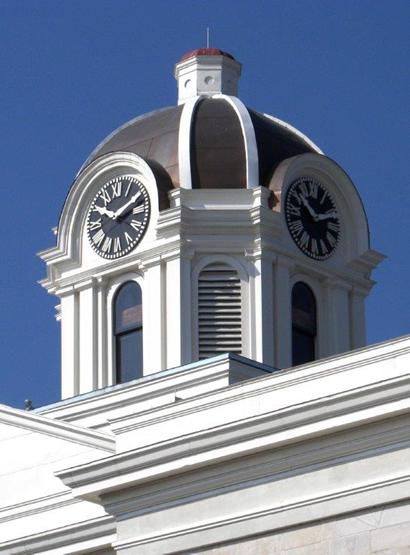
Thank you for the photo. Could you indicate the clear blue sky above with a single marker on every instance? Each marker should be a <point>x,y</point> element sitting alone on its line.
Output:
<point>72,71</point>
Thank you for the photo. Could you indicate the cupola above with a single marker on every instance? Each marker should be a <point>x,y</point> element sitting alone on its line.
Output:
<point>206,72</point>
<point>202,229</point>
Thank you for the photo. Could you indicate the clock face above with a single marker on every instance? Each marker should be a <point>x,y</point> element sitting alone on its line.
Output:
<point>312,218</point>
<point>118,217</point>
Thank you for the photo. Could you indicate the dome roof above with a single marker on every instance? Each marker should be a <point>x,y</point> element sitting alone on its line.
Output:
<point>217,142</point>
<point>206,52</point>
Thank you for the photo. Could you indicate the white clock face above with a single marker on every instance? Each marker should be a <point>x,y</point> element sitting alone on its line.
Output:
<point>118,217</point>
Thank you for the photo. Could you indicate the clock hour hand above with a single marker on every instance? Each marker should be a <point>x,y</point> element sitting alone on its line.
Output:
<point>123,208</point>
<point>104,211</point>
<point>310,209</point>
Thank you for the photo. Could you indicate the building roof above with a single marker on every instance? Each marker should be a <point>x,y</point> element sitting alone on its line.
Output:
<point>217,144</point>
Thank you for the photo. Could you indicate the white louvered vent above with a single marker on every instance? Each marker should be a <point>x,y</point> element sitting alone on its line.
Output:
<point>219,311</point>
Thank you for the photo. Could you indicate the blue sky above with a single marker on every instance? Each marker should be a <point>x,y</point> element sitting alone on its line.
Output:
<point>72,71</point>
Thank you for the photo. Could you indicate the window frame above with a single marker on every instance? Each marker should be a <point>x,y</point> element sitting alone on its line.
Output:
<point>112,291</point>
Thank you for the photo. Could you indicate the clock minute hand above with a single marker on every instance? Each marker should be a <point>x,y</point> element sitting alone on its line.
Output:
<point>123,208</point>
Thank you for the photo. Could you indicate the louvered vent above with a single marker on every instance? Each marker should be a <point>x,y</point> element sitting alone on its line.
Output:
<point>219,311</point>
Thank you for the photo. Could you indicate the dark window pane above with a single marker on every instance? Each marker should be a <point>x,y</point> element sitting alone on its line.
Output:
<point>129,356</point>
<point>303,324</point>
<point>128,307</point>
<point>303,347</point>
<point>303,307</point>
<point>128,332</point>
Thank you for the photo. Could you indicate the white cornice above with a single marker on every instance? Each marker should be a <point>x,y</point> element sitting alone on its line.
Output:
<point>383,395</point>
<point>76,538</point>
<point>60,430</point>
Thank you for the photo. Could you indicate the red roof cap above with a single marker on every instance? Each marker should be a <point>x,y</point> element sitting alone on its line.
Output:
<point>205,52</point>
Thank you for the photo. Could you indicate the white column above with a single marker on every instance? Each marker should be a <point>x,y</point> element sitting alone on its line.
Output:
<point>152,307</point>
<point>186,311</point>
<point>357,318</point>
<point>282,331</point>
<point>69,345</point>
<point>263,311</point>
<point>102,352</point>
<point>173,313</point>
<point>88,340</point>
<point>338,318</point>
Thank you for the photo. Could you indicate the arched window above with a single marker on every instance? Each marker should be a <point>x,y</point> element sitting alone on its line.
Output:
<point>128,332</point>
<point>303,324</point>
<point>219,311</point>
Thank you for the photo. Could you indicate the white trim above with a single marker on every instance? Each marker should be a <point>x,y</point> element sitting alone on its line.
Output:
<point>248,133</point>
<point>75,538</point>
<point>184,142</point>
<point>112,289</point>
<point>40,424</point>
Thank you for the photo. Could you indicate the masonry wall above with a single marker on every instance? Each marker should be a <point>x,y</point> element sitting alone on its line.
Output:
<point>383,531</point>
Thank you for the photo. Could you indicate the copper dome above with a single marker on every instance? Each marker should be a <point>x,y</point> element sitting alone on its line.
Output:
<point>217,149</point>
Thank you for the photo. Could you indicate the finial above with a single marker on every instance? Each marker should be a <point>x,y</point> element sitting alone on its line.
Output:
<point>207,37</point>
<point>28,405</point>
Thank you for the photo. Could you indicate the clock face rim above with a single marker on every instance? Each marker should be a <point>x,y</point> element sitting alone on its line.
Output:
<point>296,236</point>
<point>145,220</point>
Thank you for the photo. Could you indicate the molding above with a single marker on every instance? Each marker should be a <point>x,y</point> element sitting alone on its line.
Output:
<point>38,505</point>
<point>289,425</point>
<point>278,463</point>
<point>274,518</point>
<point>184,142</point>
<point>98,533</point>
<point>40,424</point>
<point>121,395</point>
<point>248,133</point>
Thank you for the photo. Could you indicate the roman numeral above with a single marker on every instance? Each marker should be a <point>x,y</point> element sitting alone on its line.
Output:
<point>98,238</point>
<point>304,239</point>
<point>304,189</point>
<point>128,188</point>
<point>128,238</point>
<point>105,196</point>
<point>117,244</point>
<point>294,210</point>
<point>315,249</point>
<point>331,239</point>
<point>296,196</point>
<point>135,224</point>
<point>94,225</point>
<point>107,245</point>
<point>322,200</point>
<point>333,227</point>
<point>313,189</point>
<point>138,209</point>
<point>323,247</point>
<point>116,189</point>
<point>296,226</point>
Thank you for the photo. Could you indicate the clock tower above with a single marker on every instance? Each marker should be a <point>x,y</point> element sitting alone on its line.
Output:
<point>206,228</point>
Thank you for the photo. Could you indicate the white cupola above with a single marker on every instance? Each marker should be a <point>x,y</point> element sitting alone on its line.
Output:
<point>205,72</point>
<point>206,228</point>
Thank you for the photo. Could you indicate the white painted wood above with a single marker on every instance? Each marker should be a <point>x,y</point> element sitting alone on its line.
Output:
<point>206,75</point>
<point>69,345</point>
